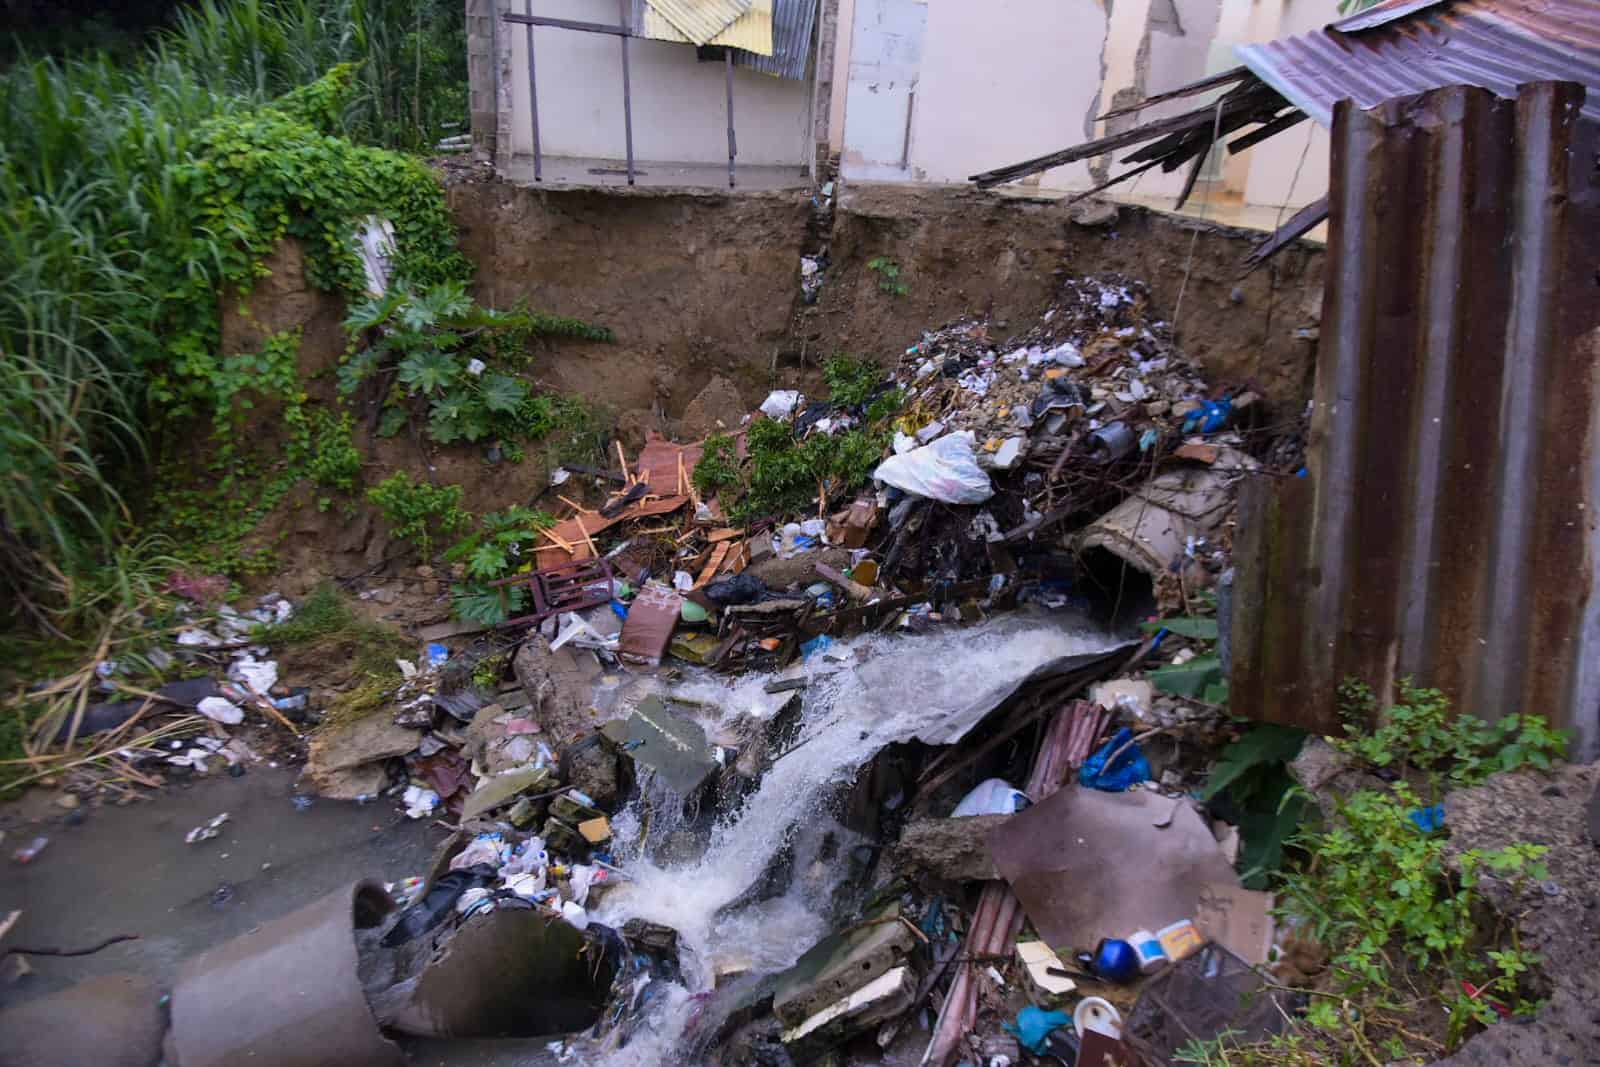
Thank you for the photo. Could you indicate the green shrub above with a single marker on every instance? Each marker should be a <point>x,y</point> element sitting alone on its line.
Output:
<point>850,380</point>
<point>445,353</point>
<point>786,476</point>
<point>505,543</point>
<point>718,468</point>
<point>418,512</point>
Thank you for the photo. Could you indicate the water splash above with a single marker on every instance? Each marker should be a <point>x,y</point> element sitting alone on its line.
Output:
<point>869,692</point>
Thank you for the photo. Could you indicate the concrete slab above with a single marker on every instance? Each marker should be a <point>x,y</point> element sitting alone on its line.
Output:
<point>572,173</point>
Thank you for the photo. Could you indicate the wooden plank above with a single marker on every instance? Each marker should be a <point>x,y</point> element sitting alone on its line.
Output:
<point>718,554</point>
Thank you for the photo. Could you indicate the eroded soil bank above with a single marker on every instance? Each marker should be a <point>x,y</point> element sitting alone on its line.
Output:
<point>703,293</point>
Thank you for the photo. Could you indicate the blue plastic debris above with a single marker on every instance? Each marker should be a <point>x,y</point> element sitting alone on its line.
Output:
<point>1429,819</point>
<point>619,609</point>
<point>1035,1025</point>
<point>817,644</point>
<point>1116,961</point>
<point>437,654</point>
<point>1212,416</point>
<point>1148,439</point>
<point>1127,770</point>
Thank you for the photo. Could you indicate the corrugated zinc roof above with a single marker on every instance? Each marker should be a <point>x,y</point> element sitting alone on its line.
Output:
<point>1406,47</point>
<point>700,20</point>
<point>751,31</point>
<point>793,23</point>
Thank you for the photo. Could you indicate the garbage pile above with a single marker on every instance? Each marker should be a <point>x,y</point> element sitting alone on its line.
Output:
<point>721,656</point>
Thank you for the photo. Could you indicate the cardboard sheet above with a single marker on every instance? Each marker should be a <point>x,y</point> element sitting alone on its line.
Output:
<point>1087,865</point>
<point>647,630</point>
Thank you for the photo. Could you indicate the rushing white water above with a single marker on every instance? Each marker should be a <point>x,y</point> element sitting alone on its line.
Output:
<point>864,694</point>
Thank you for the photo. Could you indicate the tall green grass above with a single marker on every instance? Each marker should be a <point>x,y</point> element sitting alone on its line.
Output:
<point>412,57</point>
<point>89,202</point>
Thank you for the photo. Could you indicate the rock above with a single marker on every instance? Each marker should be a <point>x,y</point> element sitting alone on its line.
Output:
<point>362,743</point>
<point>674,747</point>
<point>557,696</point>
<point>955,850</point>
<point>718,408</point>
<point>114,1020</point>
<point>350,783</point>
<point>1093,212</point>
<point>680,848</point>
<point>1328,774</point>
<point>1563,927</point>
<point>652,937</point>
<point>841,964</point>
<point>500,789</point>
<point>595,770</point>
<point>783,573</point>
<point>878,1001</point>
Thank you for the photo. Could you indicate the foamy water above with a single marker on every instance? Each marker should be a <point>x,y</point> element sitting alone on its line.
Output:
<point>869,692</point>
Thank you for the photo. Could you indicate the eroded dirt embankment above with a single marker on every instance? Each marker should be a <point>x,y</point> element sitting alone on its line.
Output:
<point>704,289</point>
<point>708,284</point>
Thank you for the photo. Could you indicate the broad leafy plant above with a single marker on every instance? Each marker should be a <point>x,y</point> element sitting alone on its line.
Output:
<point>448,358</point>
<point>503,544</point>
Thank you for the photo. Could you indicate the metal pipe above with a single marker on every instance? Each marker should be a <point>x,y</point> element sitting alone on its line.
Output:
<point>733,144</point>
<point>627,89</point>
<point>570,24</point>
<point>533,99</point>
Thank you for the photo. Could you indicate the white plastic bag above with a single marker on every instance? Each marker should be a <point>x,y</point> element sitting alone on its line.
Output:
<point>780,403</point>
<point>992,797</point>
<point>945,470</point>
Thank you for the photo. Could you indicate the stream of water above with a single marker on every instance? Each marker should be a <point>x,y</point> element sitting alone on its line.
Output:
<point>862,695</point>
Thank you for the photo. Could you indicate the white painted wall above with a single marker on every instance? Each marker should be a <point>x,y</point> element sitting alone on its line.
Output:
<point>885,62</point>
<point>1291,169</point>
<point>1005,80</point>
<point>679,105</point>
<point>974,85</point>
<point>986,84</point>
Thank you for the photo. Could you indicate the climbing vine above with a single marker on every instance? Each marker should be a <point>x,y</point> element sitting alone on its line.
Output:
<point>255,178</point>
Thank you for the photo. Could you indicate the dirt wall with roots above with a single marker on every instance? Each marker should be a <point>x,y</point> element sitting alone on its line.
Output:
<point>703,289</point>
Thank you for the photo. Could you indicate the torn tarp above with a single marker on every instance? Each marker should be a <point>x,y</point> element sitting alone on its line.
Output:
<point>1088,865</point>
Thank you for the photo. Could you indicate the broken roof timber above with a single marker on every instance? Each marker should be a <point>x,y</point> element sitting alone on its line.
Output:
<point>1395,49</point>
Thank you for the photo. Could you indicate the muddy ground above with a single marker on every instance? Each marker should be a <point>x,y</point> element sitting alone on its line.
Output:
<point>126,870</point>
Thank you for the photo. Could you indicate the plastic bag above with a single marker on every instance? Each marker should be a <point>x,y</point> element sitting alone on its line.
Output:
<point>780,403</point>
<point>1034,1027</point>
<point>437,904</point>
<point>946,470</point>
<point>740,589</point>
<point>992,797</point>
<point>1127,770</point>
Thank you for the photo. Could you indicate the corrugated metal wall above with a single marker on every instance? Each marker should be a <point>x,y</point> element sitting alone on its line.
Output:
<point>1447,528</point>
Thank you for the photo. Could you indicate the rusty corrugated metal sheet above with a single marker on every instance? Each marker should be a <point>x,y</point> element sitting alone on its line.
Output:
<point>1411,46</point>
<point>1447,529</point>
<point>700,20</point>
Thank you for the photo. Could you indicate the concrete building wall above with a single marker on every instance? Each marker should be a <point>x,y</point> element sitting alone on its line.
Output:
<point>679,104</point>
<point>937,90</point>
